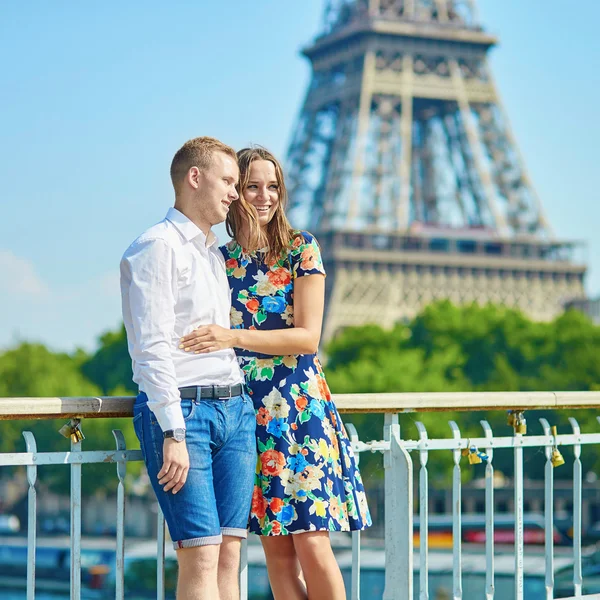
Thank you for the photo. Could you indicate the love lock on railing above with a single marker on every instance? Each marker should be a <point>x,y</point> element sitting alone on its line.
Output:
<point>72,431</point>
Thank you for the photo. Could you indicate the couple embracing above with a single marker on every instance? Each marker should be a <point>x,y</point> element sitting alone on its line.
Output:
<point>234,416</point>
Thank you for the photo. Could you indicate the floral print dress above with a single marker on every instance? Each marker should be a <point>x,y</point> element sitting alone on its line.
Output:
<point>306,477</point>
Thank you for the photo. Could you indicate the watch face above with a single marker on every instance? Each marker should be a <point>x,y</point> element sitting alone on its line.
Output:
<point>176,434</point>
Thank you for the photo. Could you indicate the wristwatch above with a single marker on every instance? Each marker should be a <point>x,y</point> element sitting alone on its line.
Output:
<point>176,434</point>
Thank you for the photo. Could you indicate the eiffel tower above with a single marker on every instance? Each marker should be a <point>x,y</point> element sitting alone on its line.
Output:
<point>404,166</point>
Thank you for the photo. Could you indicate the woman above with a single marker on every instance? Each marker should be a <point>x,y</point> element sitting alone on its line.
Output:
<point>307,481</point>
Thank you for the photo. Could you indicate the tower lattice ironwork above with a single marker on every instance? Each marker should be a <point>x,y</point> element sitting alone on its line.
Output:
<point>404,165</point>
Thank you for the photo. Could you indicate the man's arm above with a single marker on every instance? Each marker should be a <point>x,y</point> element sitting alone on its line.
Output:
<point>147,277</point>
<point>302,338</point>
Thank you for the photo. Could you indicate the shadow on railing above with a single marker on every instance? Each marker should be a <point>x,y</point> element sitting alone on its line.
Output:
<point>532,579</point>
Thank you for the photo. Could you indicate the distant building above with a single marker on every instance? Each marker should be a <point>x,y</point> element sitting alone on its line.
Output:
<point>404,166</point>
<point>590,307</point>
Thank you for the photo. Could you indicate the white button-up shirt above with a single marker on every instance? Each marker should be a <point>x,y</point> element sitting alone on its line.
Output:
<point>173,280</point>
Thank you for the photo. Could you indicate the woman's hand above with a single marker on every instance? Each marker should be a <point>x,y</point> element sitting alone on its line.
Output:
<point>208,338</point>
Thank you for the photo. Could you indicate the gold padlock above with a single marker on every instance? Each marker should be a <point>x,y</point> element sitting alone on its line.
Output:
<point>511,418</point>
<point>557,459</point>
<point>520,424</point>
<point>77,435</point>
<point>72,431</point>
<point>474,458</point>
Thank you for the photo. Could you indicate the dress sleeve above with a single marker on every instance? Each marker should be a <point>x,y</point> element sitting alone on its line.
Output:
<point>305,256</point>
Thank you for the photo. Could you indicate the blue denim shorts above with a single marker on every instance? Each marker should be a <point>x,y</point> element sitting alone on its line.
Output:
<point>216,497</point>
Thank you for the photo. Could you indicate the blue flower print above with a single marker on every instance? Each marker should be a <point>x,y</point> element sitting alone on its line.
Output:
<point>277,427</point>
<point>317,409</point>
<point>274,304</point>
<point>286,515</point>
<point>297,463</point>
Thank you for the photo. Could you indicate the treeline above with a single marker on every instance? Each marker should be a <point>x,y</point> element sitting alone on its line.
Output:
<point>445,348</point>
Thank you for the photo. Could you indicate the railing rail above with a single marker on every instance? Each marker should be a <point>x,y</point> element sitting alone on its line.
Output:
<point>122,406</point>
<point>398,468</point>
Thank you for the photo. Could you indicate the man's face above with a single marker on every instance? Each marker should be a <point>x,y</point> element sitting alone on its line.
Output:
<point>216,188</point>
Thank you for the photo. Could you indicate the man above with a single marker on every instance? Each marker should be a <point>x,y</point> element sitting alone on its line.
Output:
<point>194,421</point>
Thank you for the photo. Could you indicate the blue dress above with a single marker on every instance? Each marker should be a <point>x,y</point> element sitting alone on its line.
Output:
<point>306,476</point>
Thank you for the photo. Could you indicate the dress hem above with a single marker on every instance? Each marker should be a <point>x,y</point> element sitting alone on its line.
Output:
<point>348,530</point>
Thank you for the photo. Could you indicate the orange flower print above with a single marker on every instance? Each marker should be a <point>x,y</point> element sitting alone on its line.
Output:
<point>323,388</point>
<point>298,241</point>
<point>301,403</point>
<point>294,426</point>
<point>276,525</point>
<point>232,263</point>
<point>253,305</point>
<point>276,505</point>
<point>259,503</point>
<point>308,258</point>
<point>263,417</point>
<point>272,462</point>
<point>279,277</point>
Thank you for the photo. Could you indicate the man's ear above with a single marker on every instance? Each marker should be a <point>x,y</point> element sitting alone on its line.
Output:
<point>193,177</point>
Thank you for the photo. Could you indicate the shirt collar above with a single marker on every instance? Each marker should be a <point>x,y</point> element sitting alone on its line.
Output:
<point>189,230</point>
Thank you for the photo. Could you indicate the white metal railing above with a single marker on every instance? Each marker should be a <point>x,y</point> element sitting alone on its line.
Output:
<point>398,466</point>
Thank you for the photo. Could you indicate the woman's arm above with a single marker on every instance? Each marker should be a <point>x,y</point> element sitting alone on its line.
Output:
<point>303,338</point>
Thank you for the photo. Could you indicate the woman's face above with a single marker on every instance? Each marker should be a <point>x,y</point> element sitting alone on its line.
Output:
<point>262,190</point>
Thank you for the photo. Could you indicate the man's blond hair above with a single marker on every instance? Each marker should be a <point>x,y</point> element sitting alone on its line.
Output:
<point>196,153</point>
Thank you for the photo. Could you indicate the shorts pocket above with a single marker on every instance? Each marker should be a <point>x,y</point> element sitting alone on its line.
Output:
<point>188,408</point>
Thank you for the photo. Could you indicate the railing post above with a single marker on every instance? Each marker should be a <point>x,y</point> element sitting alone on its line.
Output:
<point>398,515</point>
<point>489,513</point>
<point>31,515</point>
<point>518,499</point>
<point>423,515</point>
<point>549,512</point>
<point>160,556</point>
<point>120,554</point>
<point>577,500</point>
<point>75,513</point>
<point>457,592</point>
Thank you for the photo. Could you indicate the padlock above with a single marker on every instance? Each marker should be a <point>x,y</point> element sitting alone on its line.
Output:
<point>474,458</point>
<point>66,430</point>
<point>511,418</point>
<point>557,459</point>
<point>72,431</point>
<point>76,434</point>
<point>483,456</point>
<point>520,424</point>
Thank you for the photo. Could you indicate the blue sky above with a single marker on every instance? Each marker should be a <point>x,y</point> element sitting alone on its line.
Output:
<point>96,97</point>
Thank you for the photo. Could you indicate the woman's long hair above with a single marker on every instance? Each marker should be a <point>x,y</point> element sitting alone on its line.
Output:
<point>278,232</point>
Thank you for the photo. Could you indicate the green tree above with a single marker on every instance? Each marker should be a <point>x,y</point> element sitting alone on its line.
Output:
<point>110,366</point>
<point>469,348</point>
<point>33,371</point>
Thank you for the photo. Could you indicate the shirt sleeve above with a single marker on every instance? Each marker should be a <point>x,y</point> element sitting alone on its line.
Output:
<point>148,275</point>
<point>306,256</point>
